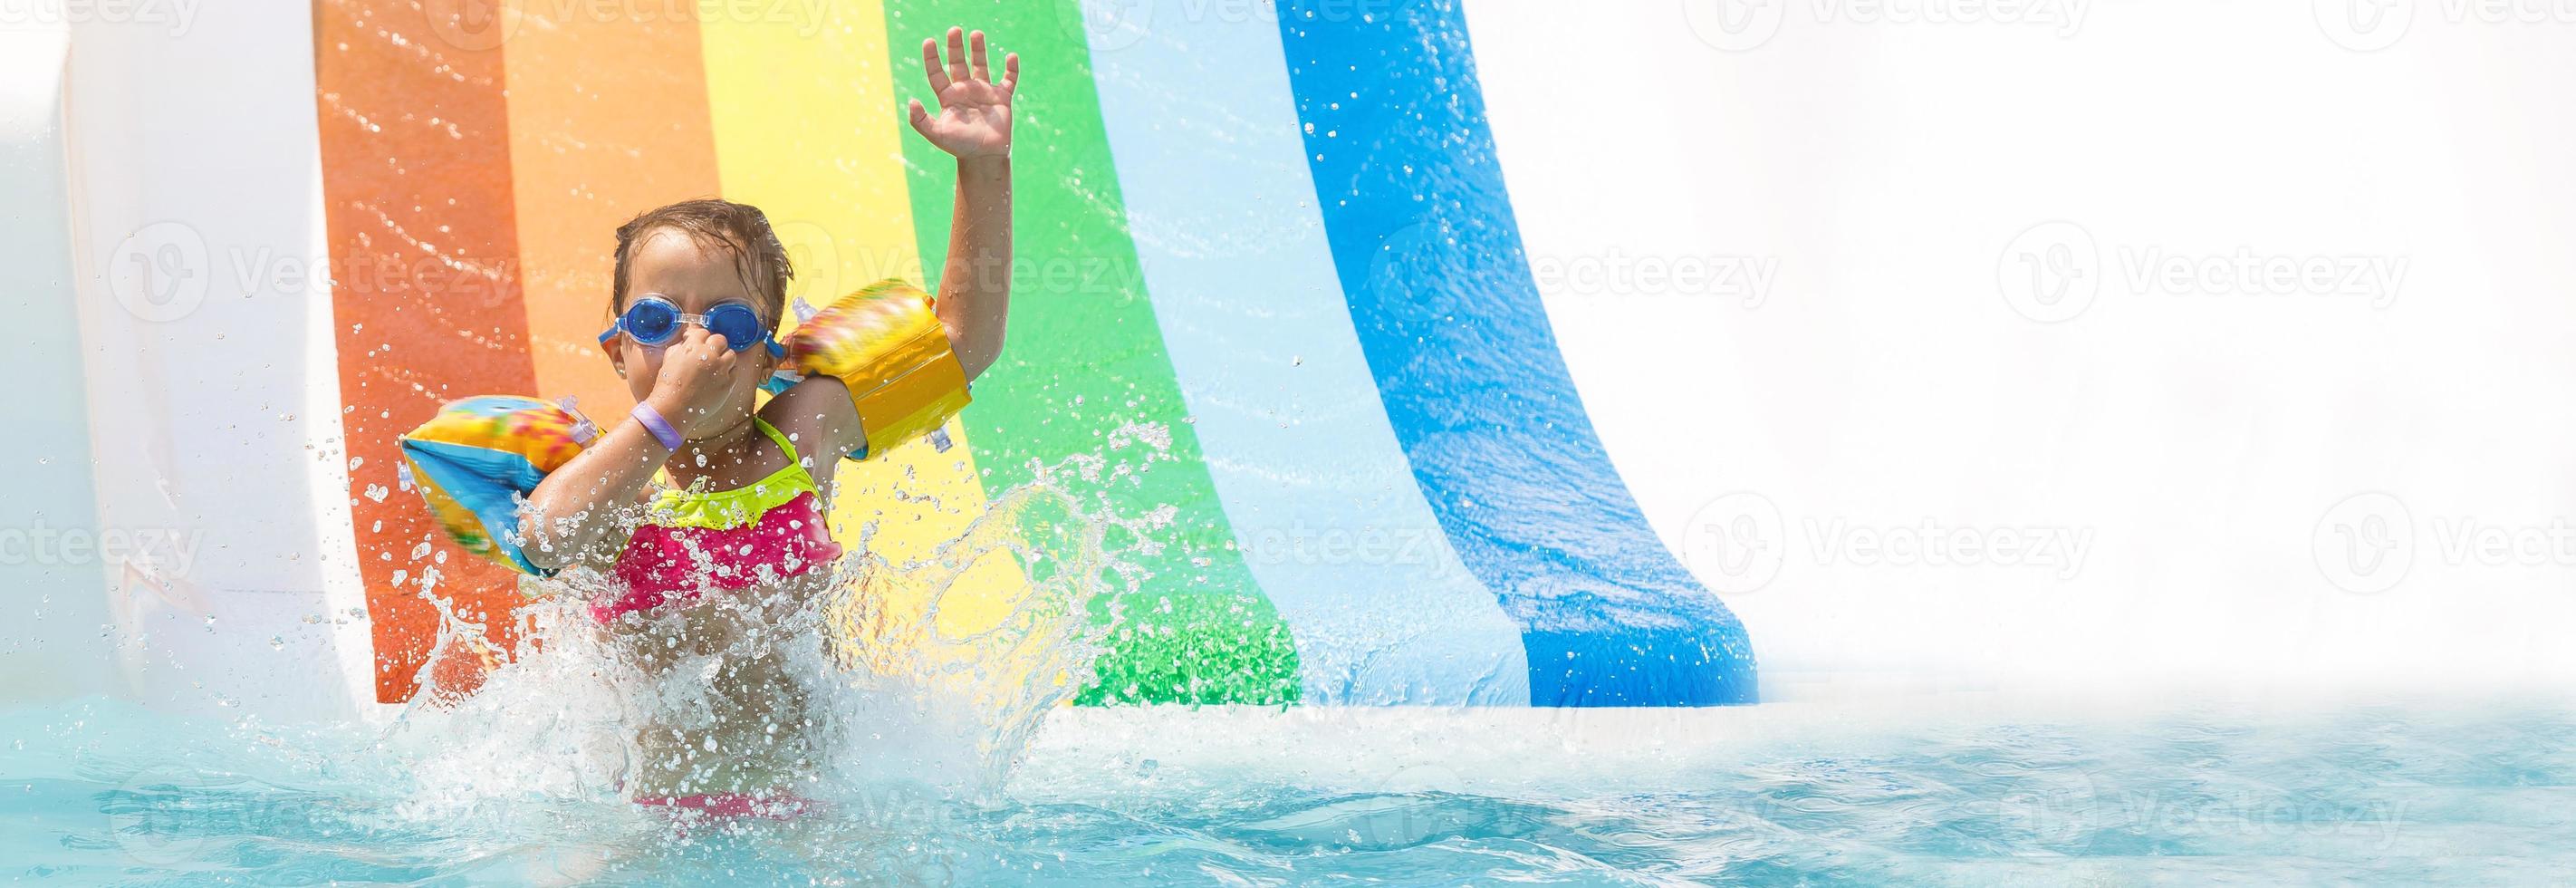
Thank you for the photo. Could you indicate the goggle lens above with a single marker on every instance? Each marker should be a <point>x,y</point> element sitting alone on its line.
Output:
<point>652,321</point>
<point>737,323</point>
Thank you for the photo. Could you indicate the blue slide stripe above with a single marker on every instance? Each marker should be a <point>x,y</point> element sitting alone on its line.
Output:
<point>1203,130</point>
<point>1440,293</point>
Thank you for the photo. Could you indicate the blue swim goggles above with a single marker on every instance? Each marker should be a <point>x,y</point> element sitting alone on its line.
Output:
<point>654,321</point>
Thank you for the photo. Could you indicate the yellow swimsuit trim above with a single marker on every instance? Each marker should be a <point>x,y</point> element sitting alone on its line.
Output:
<point>723,509</point>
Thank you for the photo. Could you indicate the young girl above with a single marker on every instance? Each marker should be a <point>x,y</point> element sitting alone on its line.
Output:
<point>689,569</point>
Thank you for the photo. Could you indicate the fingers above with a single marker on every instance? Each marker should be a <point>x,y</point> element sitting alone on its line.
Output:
<point>704,347</point>
<point>981,69</point>
<point>920,118</point>
<point>957,69</point>
<point>930,66</point>
<point>1010,73</point>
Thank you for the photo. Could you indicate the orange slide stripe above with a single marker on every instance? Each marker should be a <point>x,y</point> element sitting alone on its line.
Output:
<point>608,118</point>
<point>426,301</point>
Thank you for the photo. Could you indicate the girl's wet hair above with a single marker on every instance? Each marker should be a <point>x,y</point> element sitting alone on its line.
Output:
<point>740,230</point>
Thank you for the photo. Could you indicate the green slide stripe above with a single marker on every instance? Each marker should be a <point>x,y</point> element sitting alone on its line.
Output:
<point>1085,358</point>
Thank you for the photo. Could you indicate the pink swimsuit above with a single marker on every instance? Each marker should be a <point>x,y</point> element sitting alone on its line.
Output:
<point>725,540</point>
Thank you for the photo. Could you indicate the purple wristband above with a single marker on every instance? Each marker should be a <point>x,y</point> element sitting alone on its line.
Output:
<point>653,422</point>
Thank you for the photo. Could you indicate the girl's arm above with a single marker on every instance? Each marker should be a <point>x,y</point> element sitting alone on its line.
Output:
<point>975,286</point>
<point>572,510</point>
<point>974,124</point>
<point>569,512</point>
<point>974,304</point>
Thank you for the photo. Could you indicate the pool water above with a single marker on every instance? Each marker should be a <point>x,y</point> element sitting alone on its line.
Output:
<point>1932,788</point>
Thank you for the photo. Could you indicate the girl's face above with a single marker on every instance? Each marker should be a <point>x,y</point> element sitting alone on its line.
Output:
<point>672,264</point>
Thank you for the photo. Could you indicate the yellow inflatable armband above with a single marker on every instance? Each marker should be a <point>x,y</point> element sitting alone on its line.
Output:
<point>886,343</point>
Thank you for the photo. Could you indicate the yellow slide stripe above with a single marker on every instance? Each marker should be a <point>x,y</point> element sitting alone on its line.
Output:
<point>803,130</point>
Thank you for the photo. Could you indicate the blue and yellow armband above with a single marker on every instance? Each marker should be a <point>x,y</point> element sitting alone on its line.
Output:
<point>480,457</point>
<point>886,344</point>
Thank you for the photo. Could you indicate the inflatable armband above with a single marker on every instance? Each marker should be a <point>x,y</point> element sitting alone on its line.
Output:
<point>480,457</point>
<point>888,346</point>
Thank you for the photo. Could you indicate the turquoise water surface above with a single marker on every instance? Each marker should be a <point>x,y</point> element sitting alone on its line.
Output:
<point>1941,790</point>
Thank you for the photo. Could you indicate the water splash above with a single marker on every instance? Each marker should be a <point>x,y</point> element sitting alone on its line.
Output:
<point>873,688</point>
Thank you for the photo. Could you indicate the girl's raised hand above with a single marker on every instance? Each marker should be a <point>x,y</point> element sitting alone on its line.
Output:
<point>974,119</point>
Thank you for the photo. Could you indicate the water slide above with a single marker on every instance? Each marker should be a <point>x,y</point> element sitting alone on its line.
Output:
<point>1382,484</point>
<point>1487,380</point>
